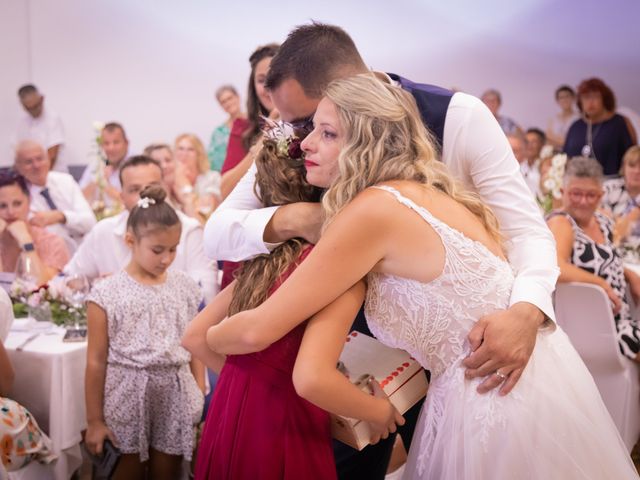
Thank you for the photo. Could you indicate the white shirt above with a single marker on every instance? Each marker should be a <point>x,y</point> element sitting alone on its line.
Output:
<point>477,152</point>
<point>47,130</point>
<point>68,197</point>
<point>104,252</point>
<point>6,315</point>
<point>531,175</point>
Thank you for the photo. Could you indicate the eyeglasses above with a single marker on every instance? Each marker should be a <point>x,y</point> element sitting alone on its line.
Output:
<point>589,196</point>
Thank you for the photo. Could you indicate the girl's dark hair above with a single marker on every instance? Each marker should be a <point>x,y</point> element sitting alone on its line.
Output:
<point>152,212</point>
<point>596,85</point>
<point>280,180</point>
<point>9,176</point>
<point>255,110</point>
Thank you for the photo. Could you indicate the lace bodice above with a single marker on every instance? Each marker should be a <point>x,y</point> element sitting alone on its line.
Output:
<point>431,320</point>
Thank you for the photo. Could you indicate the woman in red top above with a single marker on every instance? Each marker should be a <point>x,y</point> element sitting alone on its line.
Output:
<point>245,133</point>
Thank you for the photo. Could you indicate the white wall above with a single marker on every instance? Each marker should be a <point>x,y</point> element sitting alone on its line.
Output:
<point>154,65</point>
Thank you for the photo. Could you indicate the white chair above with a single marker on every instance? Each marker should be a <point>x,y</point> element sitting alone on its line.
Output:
<point>584,312</point>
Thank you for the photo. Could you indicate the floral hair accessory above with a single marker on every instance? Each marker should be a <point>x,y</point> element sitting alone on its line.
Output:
<point>144,202</point>
<point>286,138</point>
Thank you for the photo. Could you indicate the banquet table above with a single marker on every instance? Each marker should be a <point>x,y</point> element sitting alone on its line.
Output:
<point>49,381</point>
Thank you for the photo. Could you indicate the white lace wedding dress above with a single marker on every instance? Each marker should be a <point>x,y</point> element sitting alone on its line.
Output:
<point>553,425</point>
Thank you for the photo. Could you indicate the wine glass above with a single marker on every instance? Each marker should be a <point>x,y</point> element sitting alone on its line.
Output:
<point>77,289</point>
<point>27,272</point>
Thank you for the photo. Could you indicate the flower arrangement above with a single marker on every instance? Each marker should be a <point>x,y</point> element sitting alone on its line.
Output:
<point>49,302</point>
<point>287,139</point>
<point>552,182</point>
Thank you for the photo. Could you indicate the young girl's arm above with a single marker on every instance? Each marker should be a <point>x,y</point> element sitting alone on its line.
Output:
<point>352,245</point>
<point>317,379</point>
<point>97,350</point>
<point>198,372</point>
<point>194,337</point>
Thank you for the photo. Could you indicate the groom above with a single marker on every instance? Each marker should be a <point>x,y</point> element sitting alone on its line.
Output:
<point>476,152</point>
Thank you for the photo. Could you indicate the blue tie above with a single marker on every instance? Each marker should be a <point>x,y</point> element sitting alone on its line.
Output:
<point>45,193</point>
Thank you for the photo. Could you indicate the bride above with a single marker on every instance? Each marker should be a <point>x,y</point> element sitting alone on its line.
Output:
<point>432,257</point>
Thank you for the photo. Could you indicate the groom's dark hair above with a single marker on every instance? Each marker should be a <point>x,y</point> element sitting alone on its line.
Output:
<point>314,55</point>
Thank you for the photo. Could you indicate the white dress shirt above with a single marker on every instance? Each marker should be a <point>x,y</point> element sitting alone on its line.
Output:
<point>104,252</point>
<point>6,315</point>
<point>47,130</point>
<point>531,175</point>
<point>68,198</point>
<point>477,152</point>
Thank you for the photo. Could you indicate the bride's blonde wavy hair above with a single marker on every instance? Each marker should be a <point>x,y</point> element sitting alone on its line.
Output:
<point>385,140</point>
<point>280,180</point>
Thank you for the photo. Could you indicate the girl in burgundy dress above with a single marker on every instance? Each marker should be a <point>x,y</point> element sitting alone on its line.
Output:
<point>257,426</point>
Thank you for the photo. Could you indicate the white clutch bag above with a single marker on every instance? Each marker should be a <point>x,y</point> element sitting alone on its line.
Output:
<point>399,375</point>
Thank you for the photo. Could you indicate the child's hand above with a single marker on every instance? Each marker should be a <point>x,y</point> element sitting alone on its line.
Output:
<point>95,435</point>
<point>389,420</point>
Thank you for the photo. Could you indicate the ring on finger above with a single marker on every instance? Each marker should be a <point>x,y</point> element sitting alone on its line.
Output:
<point>502,376</point>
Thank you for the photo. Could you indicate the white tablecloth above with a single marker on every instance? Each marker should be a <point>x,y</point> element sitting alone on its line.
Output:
<point>50,383</point>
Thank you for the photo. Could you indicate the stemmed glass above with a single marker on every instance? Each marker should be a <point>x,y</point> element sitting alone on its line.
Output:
<point>77,287</point>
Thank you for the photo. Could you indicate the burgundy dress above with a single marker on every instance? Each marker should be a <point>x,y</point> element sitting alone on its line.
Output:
<point>257,427</point>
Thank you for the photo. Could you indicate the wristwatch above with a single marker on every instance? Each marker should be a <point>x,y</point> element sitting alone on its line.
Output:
<point>28,247</point>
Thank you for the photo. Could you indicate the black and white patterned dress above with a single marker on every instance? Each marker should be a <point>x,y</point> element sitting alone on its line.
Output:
<point>602,259</point>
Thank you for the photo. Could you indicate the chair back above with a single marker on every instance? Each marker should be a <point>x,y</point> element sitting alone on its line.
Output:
<point>584,312</point>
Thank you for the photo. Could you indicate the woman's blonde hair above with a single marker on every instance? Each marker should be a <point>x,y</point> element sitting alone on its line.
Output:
<point>280,180</point>
<point>201,154</point>
<point>385,140</point>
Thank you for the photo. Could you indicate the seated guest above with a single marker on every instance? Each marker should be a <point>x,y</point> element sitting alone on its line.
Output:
<point>104,251</point>
<point>586,252</point>
<point>530,168</point>
<point>493,100</point>
<point>22,440</point>
<point>519,146</point>
<point>47,251</point>
<point>203,183</point>
<point>115,145</point>
<point>180,195</point>
<point>57,202</point>
<point>42,125</point>
<point>602,134</point>
<point>559,124</point>
<point>621,197</point>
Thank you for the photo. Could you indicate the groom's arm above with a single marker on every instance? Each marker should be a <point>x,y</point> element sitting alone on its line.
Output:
<point>481,156</point>
<point>240,228</point>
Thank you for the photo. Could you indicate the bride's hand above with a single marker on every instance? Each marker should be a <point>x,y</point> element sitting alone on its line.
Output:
<point>389,419</point>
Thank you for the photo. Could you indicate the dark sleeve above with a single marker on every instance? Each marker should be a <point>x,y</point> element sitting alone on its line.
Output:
<point>573,143</point>
<point>235,150</point>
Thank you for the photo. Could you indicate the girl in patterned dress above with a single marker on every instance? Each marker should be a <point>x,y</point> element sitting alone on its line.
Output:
<point>141,393</point>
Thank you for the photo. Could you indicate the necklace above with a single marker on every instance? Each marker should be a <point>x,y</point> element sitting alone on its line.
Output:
<point>587,150</point>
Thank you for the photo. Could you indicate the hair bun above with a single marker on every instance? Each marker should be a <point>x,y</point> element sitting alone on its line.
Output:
<point>155,192</point>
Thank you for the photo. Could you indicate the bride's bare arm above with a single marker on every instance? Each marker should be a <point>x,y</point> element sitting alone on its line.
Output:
<point>350,247</point>
<point>316,378</point>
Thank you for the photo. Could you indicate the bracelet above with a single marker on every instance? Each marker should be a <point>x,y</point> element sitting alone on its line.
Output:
<point>28,247</point>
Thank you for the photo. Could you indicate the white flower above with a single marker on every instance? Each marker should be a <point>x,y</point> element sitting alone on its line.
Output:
<point>549,184</point>
<point>557,193</point>
<point>145,202</point>
<point>546,151</point>
<point>98,126</point>
<point>559,160</point>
